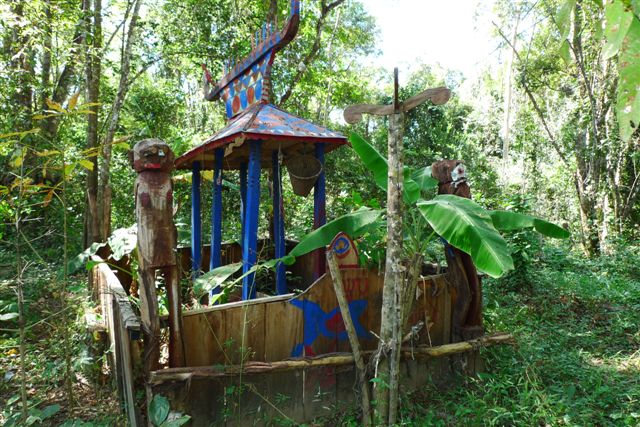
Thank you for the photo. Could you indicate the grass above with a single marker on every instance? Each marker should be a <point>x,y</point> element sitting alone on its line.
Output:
<point>577,358</point>
<point>576,362</point>
<point>95,401</point>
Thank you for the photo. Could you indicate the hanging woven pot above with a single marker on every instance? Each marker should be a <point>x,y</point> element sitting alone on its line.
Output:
<point>303,172</point>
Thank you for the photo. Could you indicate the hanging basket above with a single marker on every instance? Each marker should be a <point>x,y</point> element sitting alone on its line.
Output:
<point>303,172</point>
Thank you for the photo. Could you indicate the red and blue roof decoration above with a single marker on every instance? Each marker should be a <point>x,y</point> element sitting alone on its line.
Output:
<point>245,91</point>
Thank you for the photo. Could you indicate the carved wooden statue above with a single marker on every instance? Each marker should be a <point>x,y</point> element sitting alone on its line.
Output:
<point>467,314</point>
<point>152,159</point>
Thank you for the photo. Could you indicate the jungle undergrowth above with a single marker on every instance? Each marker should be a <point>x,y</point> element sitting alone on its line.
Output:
<point>577,357</point>
<point>45,356</point>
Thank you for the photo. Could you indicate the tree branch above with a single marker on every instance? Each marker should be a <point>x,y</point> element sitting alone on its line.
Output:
<point>325,9</point>
<point>533,100</point>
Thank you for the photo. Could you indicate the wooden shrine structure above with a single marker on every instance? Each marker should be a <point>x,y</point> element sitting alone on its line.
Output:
<point>283,358</point>
<point>258,136</point>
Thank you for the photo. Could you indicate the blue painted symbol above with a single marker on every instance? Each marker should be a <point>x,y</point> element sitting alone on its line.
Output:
<point>341,246</point>
<point>330,325</point>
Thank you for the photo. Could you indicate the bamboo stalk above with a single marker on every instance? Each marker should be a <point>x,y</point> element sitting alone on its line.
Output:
<point>334,359</point>
<point>336,277</point>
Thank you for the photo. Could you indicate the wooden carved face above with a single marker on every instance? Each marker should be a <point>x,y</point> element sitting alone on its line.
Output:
<point>151,155</point>
<point>451,174</point>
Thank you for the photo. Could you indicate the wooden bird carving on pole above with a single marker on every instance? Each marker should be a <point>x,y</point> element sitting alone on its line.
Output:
<point>398,283</point>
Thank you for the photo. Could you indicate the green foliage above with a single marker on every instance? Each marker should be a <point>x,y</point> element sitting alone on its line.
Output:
<point>468,227</point>
<point>575,362</point>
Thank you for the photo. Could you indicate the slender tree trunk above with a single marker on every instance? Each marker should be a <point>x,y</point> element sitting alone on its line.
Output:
<point>386,389</point>
<point>93,69</point>
<point>45,79</point>
<point>123,87</point>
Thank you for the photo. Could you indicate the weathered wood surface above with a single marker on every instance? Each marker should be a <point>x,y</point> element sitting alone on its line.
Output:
<point>308,324</point>
<point>438,96</point>
<point>363,378</point>
<point>123,328</point>
<point>329,360</point>
<point>152,159</point>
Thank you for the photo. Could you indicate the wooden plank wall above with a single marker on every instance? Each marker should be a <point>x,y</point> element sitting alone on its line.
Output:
<point>309,324</point>
<point>123,328</point>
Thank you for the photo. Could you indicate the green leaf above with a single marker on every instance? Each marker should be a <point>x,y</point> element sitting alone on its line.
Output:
<point>468,227</point>
<point>86,164</point>
<point>377,164</point>
<point>372,159</point>
<point>353,224</point>
<point>510,221</point>
<point>17,158</point>
<point>423,178</point>
<point>563,18</point>
<point>618,21</point>
<point>627,100</point>
<point>50,411</point>
<point>565,52</point>
<point>158,409</point>
<point>123,241</point>
<point>214,278</point>
<point>177,422</point>
<point>8,316</point>
<point>79,260</point>
<point>68,169</point>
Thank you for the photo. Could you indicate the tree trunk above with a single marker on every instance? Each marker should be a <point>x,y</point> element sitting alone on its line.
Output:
<point>93,69</point>
<point>386,389</point>
<point>123,87</point>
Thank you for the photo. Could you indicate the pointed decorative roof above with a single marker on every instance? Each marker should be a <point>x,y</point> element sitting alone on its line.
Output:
<point>245,89</point>
<point>264,122</point>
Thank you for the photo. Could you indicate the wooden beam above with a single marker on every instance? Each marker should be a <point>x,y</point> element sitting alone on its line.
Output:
<point>278,224</point>
<point>335,359</point>
<point>216,214</point>
<point>437,96</point>
<point>319,211</point>
<point>250,238</point>
<point>196,226</point>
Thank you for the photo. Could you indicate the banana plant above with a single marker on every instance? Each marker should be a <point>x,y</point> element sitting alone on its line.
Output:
<point>461,222</point>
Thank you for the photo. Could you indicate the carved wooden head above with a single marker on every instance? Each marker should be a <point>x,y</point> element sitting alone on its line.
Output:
<point>151,155</point>
<point>451,175</point>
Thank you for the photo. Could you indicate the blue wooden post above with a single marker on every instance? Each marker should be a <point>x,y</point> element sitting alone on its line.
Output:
<point>319,210</point>
<point>250,238</point>
<point>196,227</point>
<point>216,214</point>
<point>278,225</point>
<point>243,198</point>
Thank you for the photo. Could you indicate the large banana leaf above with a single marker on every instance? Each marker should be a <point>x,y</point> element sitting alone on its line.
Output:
<point>377,164</point>
<point>353,224</point>
<point>509,221</point>
<point>423,178</point>
<point>468,227</point>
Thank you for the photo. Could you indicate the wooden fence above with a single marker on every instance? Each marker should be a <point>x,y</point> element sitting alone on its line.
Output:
<point>123,328</point>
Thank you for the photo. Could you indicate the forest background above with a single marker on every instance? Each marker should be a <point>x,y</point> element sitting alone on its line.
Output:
<point>542,131</point>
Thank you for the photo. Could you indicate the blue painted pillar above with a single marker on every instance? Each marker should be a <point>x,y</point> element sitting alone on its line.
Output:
<point>319,211</point>
<point>243,198</point>
<point>196,227</point>
<point>216,214</point>
<point>250,238</point>
<point>278,225</point>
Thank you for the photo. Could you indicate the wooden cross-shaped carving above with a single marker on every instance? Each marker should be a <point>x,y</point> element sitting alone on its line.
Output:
<point>438,96</point>
<point>396,291</point>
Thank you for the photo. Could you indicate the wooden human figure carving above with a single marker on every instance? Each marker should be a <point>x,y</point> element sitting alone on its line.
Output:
<point>152,159</point>
<point>467,314</point>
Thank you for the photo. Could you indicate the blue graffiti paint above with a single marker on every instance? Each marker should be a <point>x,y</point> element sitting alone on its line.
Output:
<point>317,323</point>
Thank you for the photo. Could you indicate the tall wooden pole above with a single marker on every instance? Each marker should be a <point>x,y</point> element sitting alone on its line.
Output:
<point>399,280</point>
<point>250,238</point>
<point>196,226</point>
